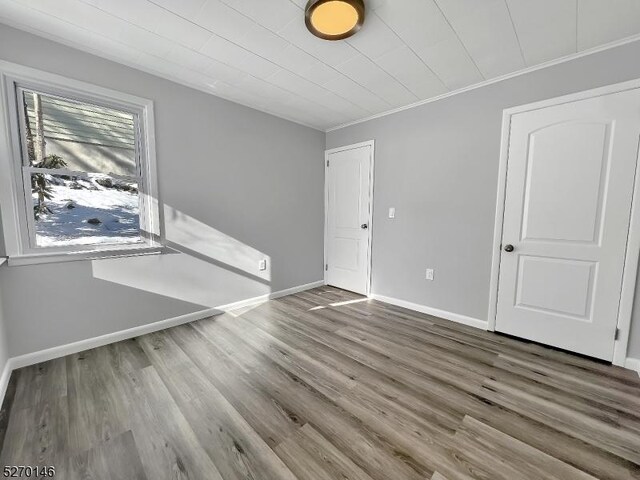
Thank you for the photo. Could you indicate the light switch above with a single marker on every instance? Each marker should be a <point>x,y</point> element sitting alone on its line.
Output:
<point>262,266</point>
<point>392,212</point>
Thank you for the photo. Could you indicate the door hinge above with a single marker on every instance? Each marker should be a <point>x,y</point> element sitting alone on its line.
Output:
<point>327,163</point>
<point>326,267</point>
<point>617,337</point>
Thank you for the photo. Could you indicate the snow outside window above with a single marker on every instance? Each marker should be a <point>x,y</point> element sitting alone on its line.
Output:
<point>83,170</point>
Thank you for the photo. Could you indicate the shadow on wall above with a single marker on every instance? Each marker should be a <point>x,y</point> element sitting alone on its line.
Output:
<point>187,274</point>
<point>72,301</point>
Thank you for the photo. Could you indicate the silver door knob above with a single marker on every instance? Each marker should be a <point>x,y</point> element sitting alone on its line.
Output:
<point>364,226</point>
<point>509,248</point>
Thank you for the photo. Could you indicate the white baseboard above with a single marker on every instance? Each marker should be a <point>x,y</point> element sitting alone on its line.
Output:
<point>62,350</point>
<point>79,346</point>
<point>632,364</point>
<point>454,317</point>
<point>4,379</point>
<point>269,296</point>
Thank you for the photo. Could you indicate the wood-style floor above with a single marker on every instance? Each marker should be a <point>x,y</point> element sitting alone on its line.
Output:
<point>326,385</point>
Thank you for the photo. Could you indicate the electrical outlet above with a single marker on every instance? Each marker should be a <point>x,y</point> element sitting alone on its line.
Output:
<point>429,274</point>
<point>262,266</point>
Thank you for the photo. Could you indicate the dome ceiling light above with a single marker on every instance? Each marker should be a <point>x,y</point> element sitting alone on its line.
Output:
<point>334,19</point>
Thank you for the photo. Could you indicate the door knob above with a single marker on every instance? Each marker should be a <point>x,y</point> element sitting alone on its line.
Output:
<point>508,248</point>
<point>364,226</point>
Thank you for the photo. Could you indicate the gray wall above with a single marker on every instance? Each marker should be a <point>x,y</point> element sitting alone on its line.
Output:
<point>236,185</point>
<point>438,164</point>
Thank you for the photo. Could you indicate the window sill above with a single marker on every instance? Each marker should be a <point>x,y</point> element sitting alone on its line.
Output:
<point>40,258</point>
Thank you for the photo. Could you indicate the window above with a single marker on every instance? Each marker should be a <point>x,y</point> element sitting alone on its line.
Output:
<point>82,169</point>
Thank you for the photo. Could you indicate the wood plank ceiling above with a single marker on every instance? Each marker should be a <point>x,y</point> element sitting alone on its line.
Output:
<point>258,52</point>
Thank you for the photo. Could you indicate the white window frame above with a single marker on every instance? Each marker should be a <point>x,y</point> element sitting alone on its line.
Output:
<point>15,194</point>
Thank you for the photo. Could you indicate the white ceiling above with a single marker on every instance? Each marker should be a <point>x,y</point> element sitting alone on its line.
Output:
<point>259,53</point>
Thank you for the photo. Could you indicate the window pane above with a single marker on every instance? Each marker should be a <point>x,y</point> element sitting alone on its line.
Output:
<point>91,210</point>
<point>88,138</point>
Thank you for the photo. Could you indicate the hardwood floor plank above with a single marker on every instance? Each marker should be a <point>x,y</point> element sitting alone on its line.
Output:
<point>508,458</point>
<point>410,332</point>
<point>125,356</point>
<point>326,384</point>
<point>312,457</point>
<point>583,455</point>
<point>304,339</point>
<point>273,421</point>
<point>375,358</point>
<point>100,461</point>
<point>167,445</point>
<point>606,437</point>
<point>500,343</point>
<point>617,413</point>
<point>235,448</point>
<point>38,435</point>
<point>465,377</point>
<point>438,476</point>
<point>7,404</point>
<point>98,408</point>
<point>328,381</point>
<point>591,400</point>
<point>312,318</point>
<point>527,351</point>
<point>426,444</point>
<point>384,416</point>
<point>547,439</point>
<point>371,452</point>
<point>41,382</point>
<point>607,391</point>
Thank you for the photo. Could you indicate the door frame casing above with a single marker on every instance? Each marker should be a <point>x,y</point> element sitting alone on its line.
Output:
<point>371,144</point>
<point>632,253</point>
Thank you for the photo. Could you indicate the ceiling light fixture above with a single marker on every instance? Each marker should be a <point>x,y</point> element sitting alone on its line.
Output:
<point>334,19</point>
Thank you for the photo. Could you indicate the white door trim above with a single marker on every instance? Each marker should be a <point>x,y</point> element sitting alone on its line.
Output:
<point>633,240</point>
<point>370,143</point>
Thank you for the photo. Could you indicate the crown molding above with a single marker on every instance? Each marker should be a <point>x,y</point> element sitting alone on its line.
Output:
<point>524,71</point>
<point>195,86</point>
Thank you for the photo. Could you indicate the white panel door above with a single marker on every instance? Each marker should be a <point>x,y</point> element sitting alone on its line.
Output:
<point>348,216</point>
<point>570,180</point>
